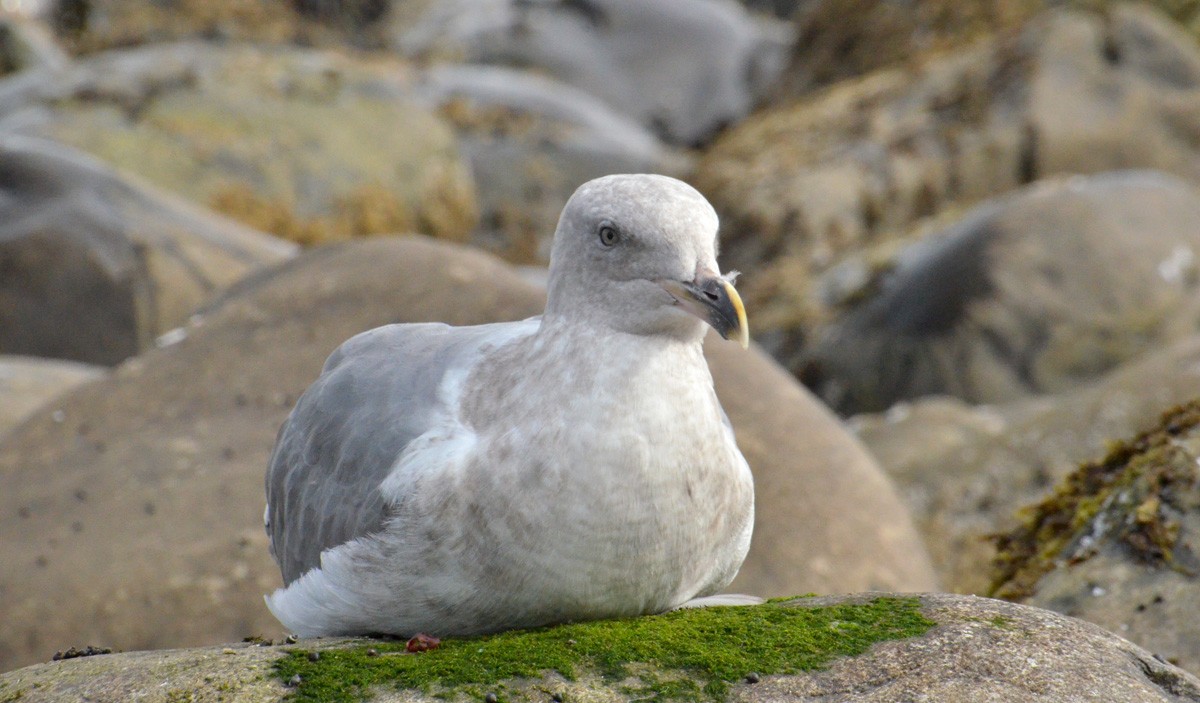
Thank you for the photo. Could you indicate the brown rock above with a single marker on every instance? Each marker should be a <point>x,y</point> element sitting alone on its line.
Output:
<point>168,547</point>
<point>94,266</point>
<point>827,520</point>
<point>802,185</point>
<point>28,383</point>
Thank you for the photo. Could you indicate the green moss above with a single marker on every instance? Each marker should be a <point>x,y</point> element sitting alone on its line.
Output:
<point>690,655</point>
<point>1130,496</point>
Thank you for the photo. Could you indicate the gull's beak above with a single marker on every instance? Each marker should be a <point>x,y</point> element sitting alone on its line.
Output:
<point>713,298</point>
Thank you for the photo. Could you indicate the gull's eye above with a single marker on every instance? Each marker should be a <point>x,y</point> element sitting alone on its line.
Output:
<point>609,235</point>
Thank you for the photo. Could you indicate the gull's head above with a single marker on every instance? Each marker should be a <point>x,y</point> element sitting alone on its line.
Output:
<point>638,254</point>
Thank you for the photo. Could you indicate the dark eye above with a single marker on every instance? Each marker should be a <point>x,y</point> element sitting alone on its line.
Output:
<point>609,235</point>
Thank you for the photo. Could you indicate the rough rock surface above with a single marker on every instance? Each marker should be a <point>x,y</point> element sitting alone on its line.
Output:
<point>964,471</point>
<point>801,185</point>
<point>247,131</point>
<point>143,528</point>
<point>977,649</point>
<point>684,67</point>
<point>94,266</point>
<point>1118,541</point>
<point>28,383</point>
<point>1036,292</point>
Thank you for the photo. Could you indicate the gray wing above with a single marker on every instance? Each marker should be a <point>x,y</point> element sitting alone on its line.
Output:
<point>376,393</point>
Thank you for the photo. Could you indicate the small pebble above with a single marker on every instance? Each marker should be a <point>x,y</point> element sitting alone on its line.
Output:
<point>752,677</point>
<point>314,656</point>
<point>372,652</point>
<point>295,680</point>
<point>291,639</point>
<point>490,698</point>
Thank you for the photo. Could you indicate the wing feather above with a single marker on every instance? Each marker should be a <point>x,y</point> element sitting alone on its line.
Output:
<point>377,393</point>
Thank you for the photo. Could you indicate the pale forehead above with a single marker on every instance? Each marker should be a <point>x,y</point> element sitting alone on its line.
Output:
<point>666,204</point>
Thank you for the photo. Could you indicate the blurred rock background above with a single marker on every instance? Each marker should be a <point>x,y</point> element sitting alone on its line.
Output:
<point>967,232</point>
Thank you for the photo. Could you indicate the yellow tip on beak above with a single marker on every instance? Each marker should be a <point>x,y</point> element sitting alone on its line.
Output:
<point>743,327</point>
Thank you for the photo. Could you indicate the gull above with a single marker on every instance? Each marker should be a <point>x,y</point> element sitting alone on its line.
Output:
<point>573,466</point>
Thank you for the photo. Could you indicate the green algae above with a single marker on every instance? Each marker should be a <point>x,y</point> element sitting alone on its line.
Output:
<point>687,655</point>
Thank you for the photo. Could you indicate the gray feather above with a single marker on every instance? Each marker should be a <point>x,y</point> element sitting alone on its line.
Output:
<point>348,430</point>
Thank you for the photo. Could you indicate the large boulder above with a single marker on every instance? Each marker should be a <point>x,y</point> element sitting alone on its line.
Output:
<point>1033,293</point>
<point>683,67</point>
<point>801,185</point>
<point>877,648</point>
<point>27,383</point>
<point>1118,541</point>
<point>132,508</point>
<point>964,471</point>
<point>94,266</point>
<point>308,145</point>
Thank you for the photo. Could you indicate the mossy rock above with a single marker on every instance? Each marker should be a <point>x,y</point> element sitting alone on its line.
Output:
<point>307,145</point>
<point>1136,497</point>
<point>868,647</point>
<point>89,26</point>
<point>1117,541</point>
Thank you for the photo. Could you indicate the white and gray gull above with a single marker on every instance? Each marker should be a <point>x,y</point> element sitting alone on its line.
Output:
<point>572,466</point>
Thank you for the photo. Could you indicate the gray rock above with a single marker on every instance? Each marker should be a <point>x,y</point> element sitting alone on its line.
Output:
<point>684,67</point>
<point>96,266</point>
<point>531,141</point>
<point>977,650</point>
<point>964,471</point>
<point>28,383</point>
<point>1034,293</point>
<point>167,547</point>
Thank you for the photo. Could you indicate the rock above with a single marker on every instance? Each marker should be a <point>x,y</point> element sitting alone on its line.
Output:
<point>90,26</point>
<point>248,131</point>
<point>170,450</point>
<point>840,39</point>
<point>801,185</point>
<point>531,141</point>
<point>827,519</point>
<point>26,45</point>
<point>903,648</point>
<point>95,266</point>
<point>683,67</point>
<point>964,471</point>
<point>28,383</point>
<point>1033,293</point>
<point>1118,541</point>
